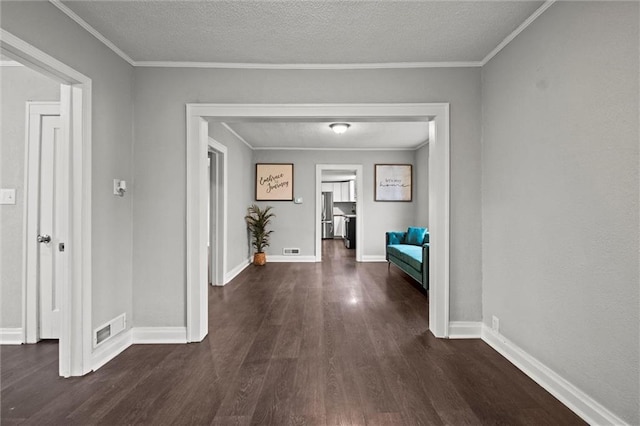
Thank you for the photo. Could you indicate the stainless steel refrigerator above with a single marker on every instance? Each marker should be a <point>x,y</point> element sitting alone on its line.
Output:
<point>327,215</point>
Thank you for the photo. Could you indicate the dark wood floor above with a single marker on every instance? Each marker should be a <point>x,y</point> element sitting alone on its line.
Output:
<point>337,343</point>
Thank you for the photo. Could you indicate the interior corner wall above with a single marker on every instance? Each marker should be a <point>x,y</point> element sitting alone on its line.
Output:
<point>560,197</point>
<point>45,27</point>
<point>19,85</point>
<point>295,224</point>
<point>240,196</point>
<point>421,179</point>
<point>160,162</point>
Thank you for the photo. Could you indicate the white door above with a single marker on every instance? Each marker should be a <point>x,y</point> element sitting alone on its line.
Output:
<point>51,160</point>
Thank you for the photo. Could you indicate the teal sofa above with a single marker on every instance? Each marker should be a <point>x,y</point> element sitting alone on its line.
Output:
<point>409,251</point>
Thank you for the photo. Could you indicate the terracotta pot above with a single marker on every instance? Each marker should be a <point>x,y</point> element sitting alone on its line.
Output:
<point>259,259</point>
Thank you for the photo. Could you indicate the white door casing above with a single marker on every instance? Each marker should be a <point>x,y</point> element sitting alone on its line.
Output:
<point>196,185</point>
<point>218,212</point>
<point>74,273</point>
<point>51,170</point>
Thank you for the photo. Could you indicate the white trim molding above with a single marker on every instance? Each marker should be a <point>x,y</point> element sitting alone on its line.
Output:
<point>11,336</point>
<point>197,115</point>
<point>374,258</point>
<point>71,14</point>
<point>508,39</point>
<point>278,258</point>
<point>234,133</point>
<point>10,64</point>
<point>465,329</point>
<point>159,335</point>
<point>579,402</point>
<point>75,101</point>
<point>300,66</point>
<point>576,400</point>
<point>264,66</point>
<point>111,349</point>
<point>229,276</point>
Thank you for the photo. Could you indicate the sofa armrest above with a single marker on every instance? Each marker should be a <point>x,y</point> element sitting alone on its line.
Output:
<point>395,237</point>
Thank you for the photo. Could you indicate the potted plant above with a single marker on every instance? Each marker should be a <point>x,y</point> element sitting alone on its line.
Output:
<point>257,220</point>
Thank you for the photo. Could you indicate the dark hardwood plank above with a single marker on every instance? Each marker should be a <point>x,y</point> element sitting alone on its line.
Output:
<point>331,343</point>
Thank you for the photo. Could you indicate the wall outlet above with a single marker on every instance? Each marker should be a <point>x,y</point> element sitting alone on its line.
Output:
<point>495,324</point>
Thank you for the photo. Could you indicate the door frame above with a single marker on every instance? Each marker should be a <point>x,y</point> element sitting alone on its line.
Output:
<point>218,254</point>
<point>75,115</point>
<point>196,183</point>
<point>34,113</point>
<point>359,210</point>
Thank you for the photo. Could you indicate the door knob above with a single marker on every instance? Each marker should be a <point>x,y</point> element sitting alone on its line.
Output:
<point>44,238</point>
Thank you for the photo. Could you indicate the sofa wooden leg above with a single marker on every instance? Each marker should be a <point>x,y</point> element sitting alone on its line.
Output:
<point>388,265</point>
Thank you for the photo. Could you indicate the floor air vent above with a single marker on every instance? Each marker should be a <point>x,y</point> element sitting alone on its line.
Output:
<point>108,330</point>
<point>291,251</point>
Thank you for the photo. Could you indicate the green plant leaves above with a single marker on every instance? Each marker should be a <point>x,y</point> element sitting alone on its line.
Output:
<point>257,220</point>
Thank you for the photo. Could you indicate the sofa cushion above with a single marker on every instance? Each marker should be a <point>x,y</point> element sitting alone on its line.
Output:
<point>411,255</point>
<point>415,236</point>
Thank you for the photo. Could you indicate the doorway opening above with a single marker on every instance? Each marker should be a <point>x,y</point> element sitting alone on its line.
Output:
<point>71,210</point>
<point>217,212</point>
<point>439,184</point>
<point>339,215</point>
<point>45,165</point>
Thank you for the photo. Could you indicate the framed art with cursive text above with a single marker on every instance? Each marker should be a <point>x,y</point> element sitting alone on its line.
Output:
<point>274,182</point>
<point>393,182</point>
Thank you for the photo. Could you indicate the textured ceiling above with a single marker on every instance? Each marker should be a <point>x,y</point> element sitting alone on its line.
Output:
<point>361,135</point>
<point>305,32</point>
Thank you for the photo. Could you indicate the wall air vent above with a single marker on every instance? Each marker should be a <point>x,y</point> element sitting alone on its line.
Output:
<point>291,251</point>
<point>108,330</point>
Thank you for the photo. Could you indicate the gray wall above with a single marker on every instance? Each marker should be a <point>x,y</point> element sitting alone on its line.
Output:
<point>160,161</point>
<point>19,85</point>
<point>560,196</point>
<point>295,224</point>
<point>45,27</point>
<point>421,181</point>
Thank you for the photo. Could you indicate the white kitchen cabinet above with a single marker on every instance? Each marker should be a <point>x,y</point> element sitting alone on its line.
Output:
<point>337,192</point>
<point>327,187</point>
<point>352,191</point>
<point>344,188</point>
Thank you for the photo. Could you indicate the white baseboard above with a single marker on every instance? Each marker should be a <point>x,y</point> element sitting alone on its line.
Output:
<point>110,349</point>
<point>580,403</point>
<point>159,335</point>
<point>374,258</point>
<point>465,329</point>
<point>11,336</point>
<point>236,270</point>
<point>281,258</point>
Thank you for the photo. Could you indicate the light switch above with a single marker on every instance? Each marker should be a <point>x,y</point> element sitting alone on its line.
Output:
<point>7,196</point>
<point>297,200</point>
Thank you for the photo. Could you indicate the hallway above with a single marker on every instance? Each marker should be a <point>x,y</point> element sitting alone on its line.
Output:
<point>332,343</point>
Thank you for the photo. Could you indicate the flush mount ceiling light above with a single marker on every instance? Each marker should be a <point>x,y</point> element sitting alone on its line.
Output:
<point>339,128</point>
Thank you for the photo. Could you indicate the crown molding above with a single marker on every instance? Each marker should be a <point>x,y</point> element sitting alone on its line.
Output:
<point>262,66</point>
<point>71,14</point>
<point>294,148</point>
<point>425,143</point>
<point>355,66</point>
<point>547,4</point>
<point>10,64</point>
<point>234,133</point>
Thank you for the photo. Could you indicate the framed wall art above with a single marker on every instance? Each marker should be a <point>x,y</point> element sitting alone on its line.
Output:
<point>393,182</point>
<point>274,182</point>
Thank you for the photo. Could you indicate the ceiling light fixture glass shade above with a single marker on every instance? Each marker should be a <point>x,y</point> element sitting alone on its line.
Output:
<point>339,128</point>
